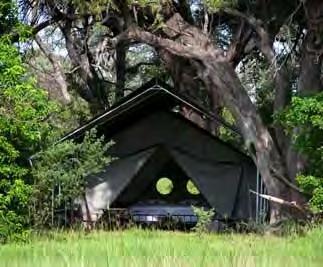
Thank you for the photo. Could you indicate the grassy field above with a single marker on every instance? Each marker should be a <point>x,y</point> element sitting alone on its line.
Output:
<point>156,248</point>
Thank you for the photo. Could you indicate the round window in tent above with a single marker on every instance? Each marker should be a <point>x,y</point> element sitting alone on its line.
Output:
<point>164,186</point>
<point>191,188</point>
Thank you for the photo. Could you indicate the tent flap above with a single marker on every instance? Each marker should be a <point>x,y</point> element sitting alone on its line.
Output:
<point>104,188</point>
<point>217,182</point>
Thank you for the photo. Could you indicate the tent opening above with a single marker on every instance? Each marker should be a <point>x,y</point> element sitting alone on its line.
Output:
<point>164,186</point>
<point>161,193</point>
<point>191,188</point>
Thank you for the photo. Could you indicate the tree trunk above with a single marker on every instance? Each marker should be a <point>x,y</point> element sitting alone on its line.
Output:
<point>120,70</point>
<point>256,136</point>
<point>309,82</point>
<point>58,72</point>
<point>185,82</point>
<point>90,86</point>
<point>312,50</point>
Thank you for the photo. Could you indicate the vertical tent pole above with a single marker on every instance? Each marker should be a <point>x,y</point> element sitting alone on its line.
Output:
<point>261,206</point>
<point>257,197</point>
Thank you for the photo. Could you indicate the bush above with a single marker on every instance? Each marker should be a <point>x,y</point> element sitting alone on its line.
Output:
<point>312,186</point>
<point>12,227</point>
<point>204,219</point>
<point>60,174</point>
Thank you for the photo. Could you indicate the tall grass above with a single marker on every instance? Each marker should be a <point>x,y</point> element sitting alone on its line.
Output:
<point>157,248</point>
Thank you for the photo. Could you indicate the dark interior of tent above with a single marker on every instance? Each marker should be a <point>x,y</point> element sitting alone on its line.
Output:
<point>173,191</point>
<point>161,191</point>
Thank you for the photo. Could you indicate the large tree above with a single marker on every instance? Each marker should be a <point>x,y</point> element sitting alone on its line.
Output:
<point>205,45</point>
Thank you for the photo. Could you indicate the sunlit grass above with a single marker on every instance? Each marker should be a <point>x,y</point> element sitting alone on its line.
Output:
<point>157,248</point>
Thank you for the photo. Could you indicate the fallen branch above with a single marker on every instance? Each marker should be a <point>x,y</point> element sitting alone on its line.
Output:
<point>281,201</point>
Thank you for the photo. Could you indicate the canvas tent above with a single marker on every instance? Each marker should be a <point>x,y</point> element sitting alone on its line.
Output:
<point>152,140</point>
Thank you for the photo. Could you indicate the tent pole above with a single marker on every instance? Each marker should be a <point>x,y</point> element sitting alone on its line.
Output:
<point>261,206</point>
<point>257,197</point>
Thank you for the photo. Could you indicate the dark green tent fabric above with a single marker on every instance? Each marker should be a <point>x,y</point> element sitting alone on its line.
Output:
<point>217,182</point>
<point>104,188</point>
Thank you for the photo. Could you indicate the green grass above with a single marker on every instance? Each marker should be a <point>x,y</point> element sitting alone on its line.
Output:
<point>156,248</point>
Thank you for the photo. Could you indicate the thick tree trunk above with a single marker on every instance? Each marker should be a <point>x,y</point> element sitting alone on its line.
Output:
<point>280,78</point>
<point>90,86</point>
<point>120,70</point>
<point>309,82</point>
<point>58,75</point>
<point>312,50</point>
<point>185,81</point>
<point>256,136</point>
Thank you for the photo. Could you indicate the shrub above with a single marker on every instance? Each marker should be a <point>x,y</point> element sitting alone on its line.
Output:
<point>60,174</point>
<point>204,219</point>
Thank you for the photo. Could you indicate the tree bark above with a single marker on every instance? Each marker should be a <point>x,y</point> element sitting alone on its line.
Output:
<point>185,81</point>
<point>58,72</point>
<point>90,87</point>
<point>256,136</point>
<point>120,70</point>
<point>309,82</point>
<point>279,75</point>
<point>312,50</point>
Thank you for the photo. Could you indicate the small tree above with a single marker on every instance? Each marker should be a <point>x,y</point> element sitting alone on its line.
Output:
<point>204,219</point>
<point>60,174</point>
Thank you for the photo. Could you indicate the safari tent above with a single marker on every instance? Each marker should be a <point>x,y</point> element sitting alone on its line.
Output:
<point>153,140</point>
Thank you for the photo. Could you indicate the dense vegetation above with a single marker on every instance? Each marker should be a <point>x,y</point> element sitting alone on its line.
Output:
<point>23,129</point>
<point>255,64</point>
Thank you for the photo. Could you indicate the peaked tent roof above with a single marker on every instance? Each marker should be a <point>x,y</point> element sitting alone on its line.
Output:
<point>145,99</point>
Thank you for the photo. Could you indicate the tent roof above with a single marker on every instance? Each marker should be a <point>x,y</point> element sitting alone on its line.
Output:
<point>148,98</point>
<point>145,100</point>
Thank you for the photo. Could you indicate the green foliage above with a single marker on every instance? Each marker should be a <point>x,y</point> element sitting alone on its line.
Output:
<point>306,116</point>
<point>69,117</point>
<point>60,174</point>
<point>24,110</point>
<point>316,201</point>
<point>94,7</point>
<point>8,16</point>
<point>216,4</point>
<point>313,186</point>
<point>225,133</point>
<point>204,219</point>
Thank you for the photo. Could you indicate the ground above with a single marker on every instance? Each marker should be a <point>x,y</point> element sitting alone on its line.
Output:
<point>156,248</point>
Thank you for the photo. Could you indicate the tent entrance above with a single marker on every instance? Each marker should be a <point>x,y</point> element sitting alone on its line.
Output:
<point>161,182</point>
<point>161,191</point>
